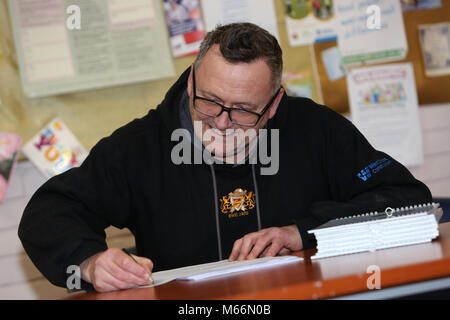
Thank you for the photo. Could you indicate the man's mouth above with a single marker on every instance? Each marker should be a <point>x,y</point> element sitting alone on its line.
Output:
<point>221,133</point>
<point>225,133</point>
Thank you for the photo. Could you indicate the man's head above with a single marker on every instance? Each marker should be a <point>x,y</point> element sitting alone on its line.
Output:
<point>239,66</point>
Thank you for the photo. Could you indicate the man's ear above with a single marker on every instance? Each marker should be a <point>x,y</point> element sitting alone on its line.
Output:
<point>273,109</point>
<point>189,82</point>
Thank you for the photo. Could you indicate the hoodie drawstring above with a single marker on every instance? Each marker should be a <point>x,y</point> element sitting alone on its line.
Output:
<point>258,215</point>
<point>216,203</point>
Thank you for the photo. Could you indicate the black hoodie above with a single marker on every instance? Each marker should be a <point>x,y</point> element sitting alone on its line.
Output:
<point>183,214</point>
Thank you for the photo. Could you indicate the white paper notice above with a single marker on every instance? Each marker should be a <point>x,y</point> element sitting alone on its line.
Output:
<point>219,268</point>
<point>259,12</point>
<point>383,105</point>
<point>66,46</point>
<point>370,31</point>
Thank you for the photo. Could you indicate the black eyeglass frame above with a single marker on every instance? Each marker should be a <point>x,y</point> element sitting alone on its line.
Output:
<point>227,109</point>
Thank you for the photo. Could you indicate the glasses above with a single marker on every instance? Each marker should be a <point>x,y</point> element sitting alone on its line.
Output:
<point>237,116</point>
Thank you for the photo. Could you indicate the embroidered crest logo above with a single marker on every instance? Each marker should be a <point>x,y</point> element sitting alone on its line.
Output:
<point>238,200</point>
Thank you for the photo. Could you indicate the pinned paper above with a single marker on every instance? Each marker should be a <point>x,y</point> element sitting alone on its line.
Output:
<point>55,149</point>
<point>9,149</point>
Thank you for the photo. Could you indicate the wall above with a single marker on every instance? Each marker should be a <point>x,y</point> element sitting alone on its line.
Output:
<point>435,171</point>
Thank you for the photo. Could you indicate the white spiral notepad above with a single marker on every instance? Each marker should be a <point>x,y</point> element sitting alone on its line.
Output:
<point>378,230</point>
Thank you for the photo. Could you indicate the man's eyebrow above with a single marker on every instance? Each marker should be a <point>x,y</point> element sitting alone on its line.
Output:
<point>210,94</point>
<point>214,96</point>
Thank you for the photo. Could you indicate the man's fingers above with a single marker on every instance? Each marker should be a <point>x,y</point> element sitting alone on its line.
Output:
<point>109,282</point>
<point>114,269</point>
<point>236,249</point>
<point>121,274</point>
<point>130,266</point>
<point>274,249</point>
<point>259,247</point>
<point>247,245</point>
<point>266,242</point>
<point>146,263</point>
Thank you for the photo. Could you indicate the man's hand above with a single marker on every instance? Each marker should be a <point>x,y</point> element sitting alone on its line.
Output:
<point>266,243</point>
<point>113,269</point>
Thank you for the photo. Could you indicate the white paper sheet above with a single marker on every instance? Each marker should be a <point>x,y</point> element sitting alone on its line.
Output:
<point>219,268</point>
<point>115,42</point>
<point>384,107</point>
<point>370,31</point>
<point>260,12</point>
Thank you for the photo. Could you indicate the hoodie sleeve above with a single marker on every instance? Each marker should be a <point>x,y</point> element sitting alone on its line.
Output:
<point>64,222</point>
<point>361,179</point>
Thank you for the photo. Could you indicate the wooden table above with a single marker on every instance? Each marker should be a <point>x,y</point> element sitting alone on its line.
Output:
<point>399,269</point>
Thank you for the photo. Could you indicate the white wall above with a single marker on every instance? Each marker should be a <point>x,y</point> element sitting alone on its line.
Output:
<point>19,279</point>
<point>435,172</point>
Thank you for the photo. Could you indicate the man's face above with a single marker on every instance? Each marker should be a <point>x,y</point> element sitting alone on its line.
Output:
<point>242,85</point>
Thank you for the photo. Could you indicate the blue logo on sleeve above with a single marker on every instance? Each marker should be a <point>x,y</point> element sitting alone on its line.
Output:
<point>373,168</point>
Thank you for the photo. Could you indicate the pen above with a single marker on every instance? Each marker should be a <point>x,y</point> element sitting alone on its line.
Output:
<point>129,254</point>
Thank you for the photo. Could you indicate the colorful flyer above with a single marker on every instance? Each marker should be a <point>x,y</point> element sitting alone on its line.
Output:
<point>384,107</point>
<point>55,149</point>
<point>9,149</point>
<point>297,84</point>
<point>309,21</point>
<point>185,24</point>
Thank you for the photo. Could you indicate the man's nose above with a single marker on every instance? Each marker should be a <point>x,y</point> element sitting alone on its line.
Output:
<point>223,122</point>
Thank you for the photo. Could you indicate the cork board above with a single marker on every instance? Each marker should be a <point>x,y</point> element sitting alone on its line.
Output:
<point>430,90</point>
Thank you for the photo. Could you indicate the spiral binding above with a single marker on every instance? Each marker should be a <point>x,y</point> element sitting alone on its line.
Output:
<point>396,210</point>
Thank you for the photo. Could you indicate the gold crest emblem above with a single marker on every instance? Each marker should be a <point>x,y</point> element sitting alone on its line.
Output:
<point>238,200</point>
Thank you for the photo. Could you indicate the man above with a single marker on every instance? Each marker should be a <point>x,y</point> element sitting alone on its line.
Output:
<point>185,212</point>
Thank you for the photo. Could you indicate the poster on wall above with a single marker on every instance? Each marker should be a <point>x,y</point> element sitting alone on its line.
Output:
<point>9,150</point>
<point>297,84</point>
<point>259,12</point>
<point>309,21</point>
<point>370,31</point>
<point>66,46</point>
<point>413,5</point>
<point>185,24</point>
<point>55,149</point>
<point>384,107</point>
<point>435,45</point>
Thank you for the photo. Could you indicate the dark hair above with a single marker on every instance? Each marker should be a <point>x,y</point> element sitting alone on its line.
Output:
<point>245,42</point>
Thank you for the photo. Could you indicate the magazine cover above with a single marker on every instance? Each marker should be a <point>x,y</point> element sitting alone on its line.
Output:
<point>9,149</point>
<point>55,149</point>
<point>185,25</point>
